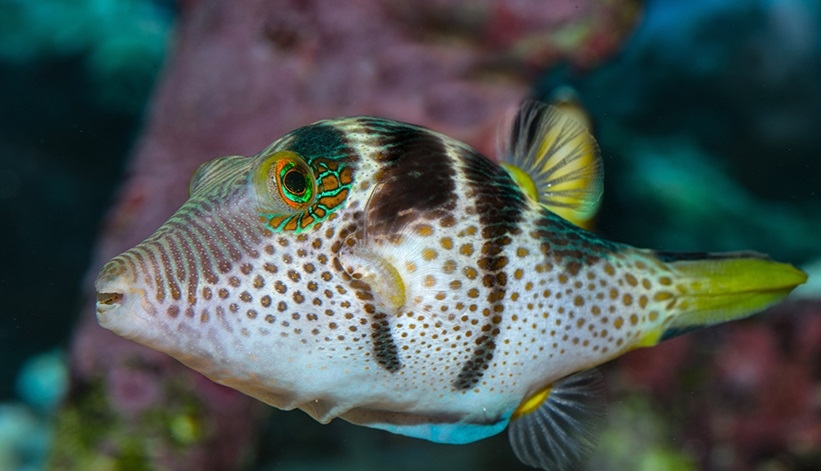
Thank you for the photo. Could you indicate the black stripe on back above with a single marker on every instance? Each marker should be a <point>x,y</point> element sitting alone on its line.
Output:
<point>500,206</point>
<point>568,246</point>
<point>416,178</point>
<point>322,141</point>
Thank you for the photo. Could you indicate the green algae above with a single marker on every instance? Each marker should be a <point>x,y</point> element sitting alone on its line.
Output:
<point>91,434</point>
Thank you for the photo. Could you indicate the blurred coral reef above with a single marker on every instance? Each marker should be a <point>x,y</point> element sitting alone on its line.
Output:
<point>705,112</point>
<point>736,397</point>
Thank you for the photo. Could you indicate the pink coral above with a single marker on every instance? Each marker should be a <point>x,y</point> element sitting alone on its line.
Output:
<point>740,394</point>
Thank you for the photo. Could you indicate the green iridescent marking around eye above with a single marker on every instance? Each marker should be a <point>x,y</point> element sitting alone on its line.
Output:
<point>295,183</point>
<point>333,182</point>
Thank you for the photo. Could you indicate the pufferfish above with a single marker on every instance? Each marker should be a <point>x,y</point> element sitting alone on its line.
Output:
<point>389,275</point>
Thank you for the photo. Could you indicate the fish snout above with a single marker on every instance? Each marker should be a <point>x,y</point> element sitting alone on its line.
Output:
<point>122,305</point>
<point>113,291</point>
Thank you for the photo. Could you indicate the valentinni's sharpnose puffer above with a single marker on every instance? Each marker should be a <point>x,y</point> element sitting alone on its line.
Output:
<point>386,274</point>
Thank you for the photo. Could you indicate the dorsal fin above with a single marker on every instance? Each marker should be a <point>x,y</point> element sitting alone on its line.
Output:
<point>554,158</point>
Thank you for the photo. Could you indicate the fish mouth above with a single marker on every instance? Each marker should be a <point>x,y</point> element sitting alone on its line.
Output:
<point>110,289</point>
<point>121,306</point>
<point>109,300</point>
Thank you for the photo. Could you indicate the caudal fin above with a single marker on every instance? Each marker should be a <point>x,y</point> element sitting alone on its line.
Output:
<point>714,288</point>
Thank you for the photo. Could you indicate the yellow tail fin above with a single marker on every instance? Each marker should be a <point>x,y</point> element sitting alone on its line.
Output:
<point>714,288</point>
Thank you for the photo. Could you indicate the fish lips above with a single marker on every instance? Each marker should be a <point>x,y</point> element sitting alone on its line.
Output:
<point>120,306</point>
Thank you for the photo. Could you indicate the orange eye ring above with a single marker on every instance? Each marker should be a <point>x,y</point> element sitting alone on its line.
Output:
<point>293,183</point>
<point>290,179</point>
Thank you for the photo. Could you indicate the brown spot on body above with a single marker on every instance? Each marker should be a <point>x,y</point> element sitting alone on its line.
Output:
<point>446,243</point>
<point>424,230</point>
<point>259,282</point>
<point>627,299</point>
<point>663,296</point>
<point>224,266</point>
<point>429,281</point>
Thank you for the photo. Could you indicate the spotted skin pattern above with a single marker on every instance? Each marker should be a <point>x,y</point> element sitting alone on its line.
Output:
<point>420,291</point>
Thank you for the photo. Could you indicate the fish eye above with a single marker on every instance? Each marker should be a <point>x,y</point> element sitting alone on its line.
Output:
<point>289,179</point>
<point>294,181</point>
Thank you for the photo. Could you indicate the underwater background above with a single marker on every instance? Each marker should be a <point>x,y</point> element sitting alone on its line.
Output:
<point>708,114</point>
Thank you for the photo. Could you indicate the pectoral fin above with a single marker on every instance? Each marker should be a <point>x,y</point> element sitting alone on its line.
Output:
<point>383,278</point>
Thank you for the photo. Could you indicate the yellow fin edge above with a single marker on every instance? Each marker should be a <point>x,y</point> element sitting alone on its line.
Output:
<point>532,403</point>
<point>522,179</point>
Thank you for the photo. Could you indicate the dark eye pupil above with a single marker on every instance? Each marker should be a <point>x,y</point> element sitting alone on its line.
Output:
<point>294,182</point>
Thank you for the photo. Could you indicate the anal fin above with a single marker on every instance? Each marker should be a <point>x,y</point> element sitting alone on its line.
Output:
<point>558,428</point>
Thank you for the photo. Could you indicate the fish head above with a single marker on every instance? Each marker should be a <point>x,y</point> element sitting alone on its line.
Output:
<point>249,254</point>
<point>307,249</point>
